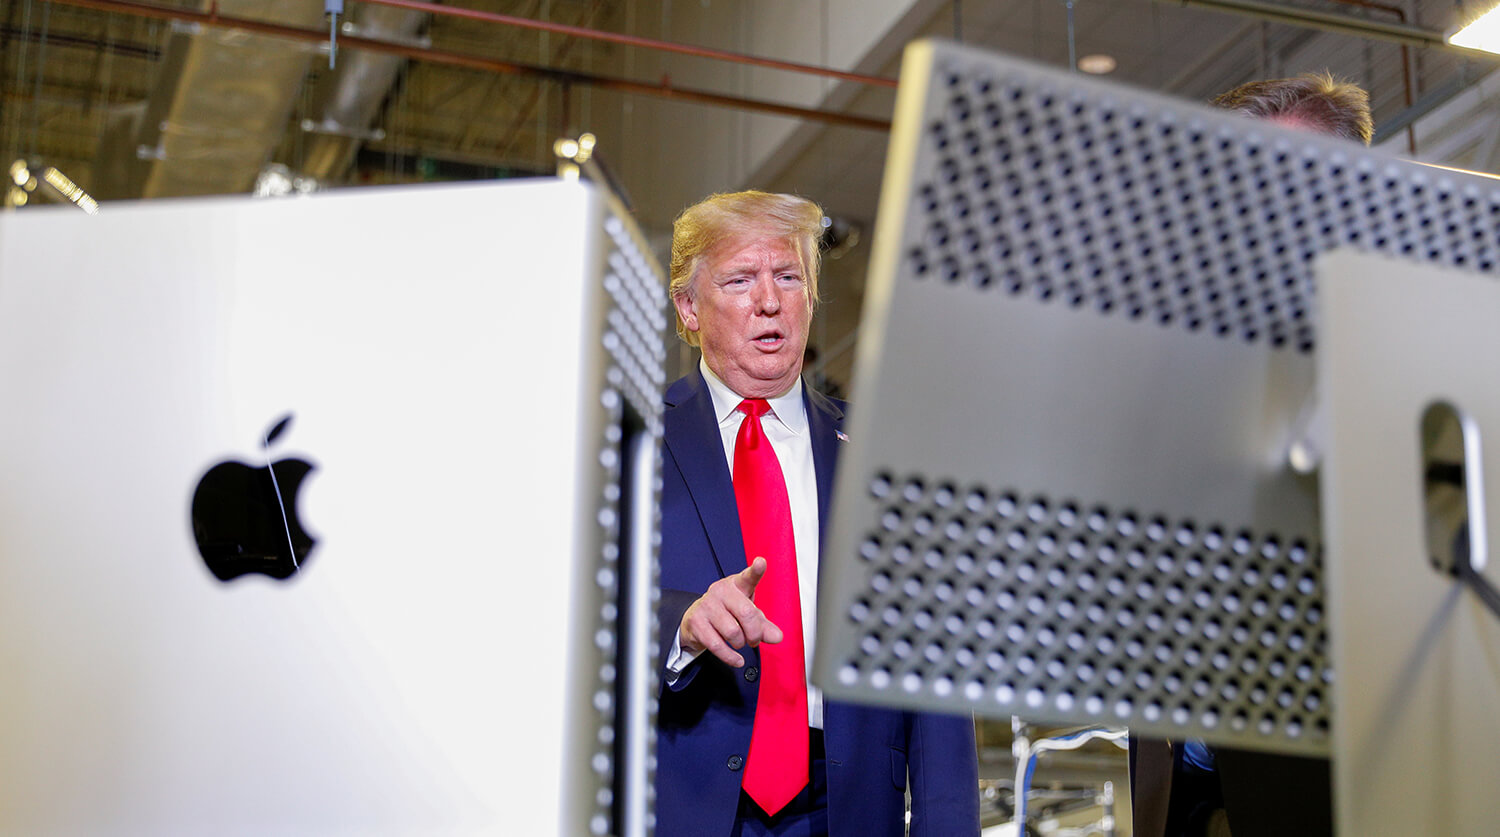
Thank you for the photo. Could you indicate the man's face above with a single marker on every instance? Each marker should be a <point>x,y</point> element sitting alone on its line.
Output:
<point>750,309</point>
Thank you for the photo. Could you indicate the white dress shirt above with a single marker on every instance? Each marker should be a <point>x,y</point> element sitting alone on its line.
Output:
<point>787,428</point>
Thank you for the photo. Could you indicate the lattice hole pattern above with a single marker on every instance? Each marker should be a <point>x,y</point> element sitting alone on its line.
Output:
<point>634,341</point>
<point>1077,197</point>
<point>1037,606</point>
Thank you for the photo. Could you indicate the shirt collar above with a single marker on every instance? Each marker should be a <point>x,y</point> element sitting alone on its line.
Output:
<point>787,407</point>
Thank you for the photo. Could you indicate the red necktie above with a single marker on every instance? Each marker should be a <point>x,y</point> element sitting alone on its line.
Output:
<point>776,768</point>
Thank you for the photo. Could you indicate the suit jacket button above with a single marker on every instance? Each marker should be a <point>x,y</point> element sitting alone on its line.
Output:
<point>751,674</point>
<point>735,763</point>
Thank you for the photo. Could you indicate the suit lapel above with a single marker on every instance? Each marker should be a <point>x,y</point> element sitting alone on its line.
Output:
<point>823,417</point>
<point>692,434</point>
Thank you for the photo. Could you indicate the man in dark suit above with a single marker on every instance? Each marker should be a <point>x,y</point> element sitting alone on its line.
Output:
<point>745,745</point>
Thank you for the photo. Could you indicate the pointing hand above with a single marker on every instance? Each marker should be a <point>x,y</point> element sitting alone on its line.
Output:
<point>725,617</point>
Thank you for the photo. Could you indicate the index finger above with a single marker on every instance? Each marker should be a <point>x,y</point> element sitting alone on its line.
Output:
<point>750,576</point>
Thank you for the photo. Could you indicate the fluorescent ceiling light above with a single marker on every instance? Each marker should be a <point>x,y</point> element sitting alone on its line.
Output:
<point>1482,33</point>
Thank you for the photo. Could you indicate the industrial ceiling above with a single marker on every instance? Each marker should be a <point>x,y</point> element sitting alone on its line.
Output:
<point>170,98</point>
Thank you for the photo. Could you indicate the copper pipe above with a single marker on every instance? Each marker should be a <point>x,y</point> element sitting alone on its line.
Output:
<point>1400,13</point>
<point>633,40</point>
<point>535,96</point>
<point>474,62</point>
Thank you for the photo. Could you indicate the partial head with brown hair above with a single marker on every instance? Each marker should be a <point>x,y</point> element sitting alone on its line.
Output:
<point>1315,101</point>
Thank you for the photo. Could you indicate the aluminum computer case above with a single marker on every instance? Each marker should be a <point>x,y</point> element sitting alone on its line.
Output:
<point>474,373</point>
<point>1087,349</point>
<point>1415,636</point>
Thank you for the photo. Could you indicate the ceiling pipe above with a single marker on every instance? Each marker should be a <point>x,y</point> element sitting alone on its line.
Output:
<point>534,102</point>
<point>1432,99</point>
<point>347,103</point>
<point>633,40</point>
<point>1400,13</point>
<point>1400,33</point>
<point>662,90</point>
<point>215,109</point>
<point>149,52</point>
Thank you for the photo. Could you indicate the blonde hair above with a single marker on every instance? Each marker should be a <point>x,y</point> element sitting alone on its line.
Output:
<point>1333,107</point>
<point>718,218</point>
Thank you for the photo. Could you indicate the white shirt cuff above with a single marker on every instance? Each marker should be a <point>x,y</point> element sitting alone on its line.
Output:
<point>678,659</point>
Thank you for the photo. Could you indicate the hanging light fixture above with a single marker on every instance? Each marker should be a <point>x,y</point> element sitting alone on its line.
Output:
<point>1098,64</point>
<point>44,182</point>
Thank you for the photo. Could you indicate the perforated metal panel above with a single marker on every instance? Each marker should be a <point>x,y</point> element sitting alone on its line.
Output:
<point>368,693</point>
<point>633,344</point>
<point>1086,349</point>
<point>1127,205</point>
<point>1029,602</point>
<point>635,334</point>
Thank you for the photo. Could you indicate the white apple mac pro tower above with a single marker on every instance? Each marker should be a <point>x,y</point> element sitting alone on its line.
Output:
<point>329,515</point>
<point>1120,458</point>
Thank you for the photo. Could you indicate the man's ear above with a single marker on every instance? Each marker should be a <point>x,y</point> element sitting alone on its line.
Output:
<point>687,311</point>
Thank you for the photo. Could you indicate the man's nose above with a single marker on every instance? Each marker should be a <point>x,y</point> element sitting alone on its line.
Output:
<point>767,301</point>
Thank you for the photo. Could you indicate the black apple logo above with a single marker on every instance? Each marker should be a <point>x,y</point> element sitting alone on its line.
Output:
<point>245,517</point>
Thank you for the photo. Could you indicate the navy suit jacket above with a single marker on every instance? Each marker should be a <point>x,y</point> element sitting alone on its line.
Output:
<point>1263,794</point>
<point>704,719</point>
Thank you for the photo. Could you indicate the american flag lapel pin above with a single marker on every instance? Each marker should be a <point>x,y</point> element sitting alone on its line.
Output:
<point>843,437</point>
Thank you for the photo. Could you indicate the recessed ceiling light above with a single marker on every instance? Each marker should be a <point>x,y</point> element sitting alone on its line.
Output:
<point>1098,64</point>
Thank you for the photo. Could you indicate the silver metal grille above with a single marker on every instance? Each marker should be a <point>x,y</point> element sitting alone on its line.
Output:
<point>1102,198</point>
<point>634,344</point>
<point>1087,347</point>
<point>635,335</point>
<point>1051,606</point>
